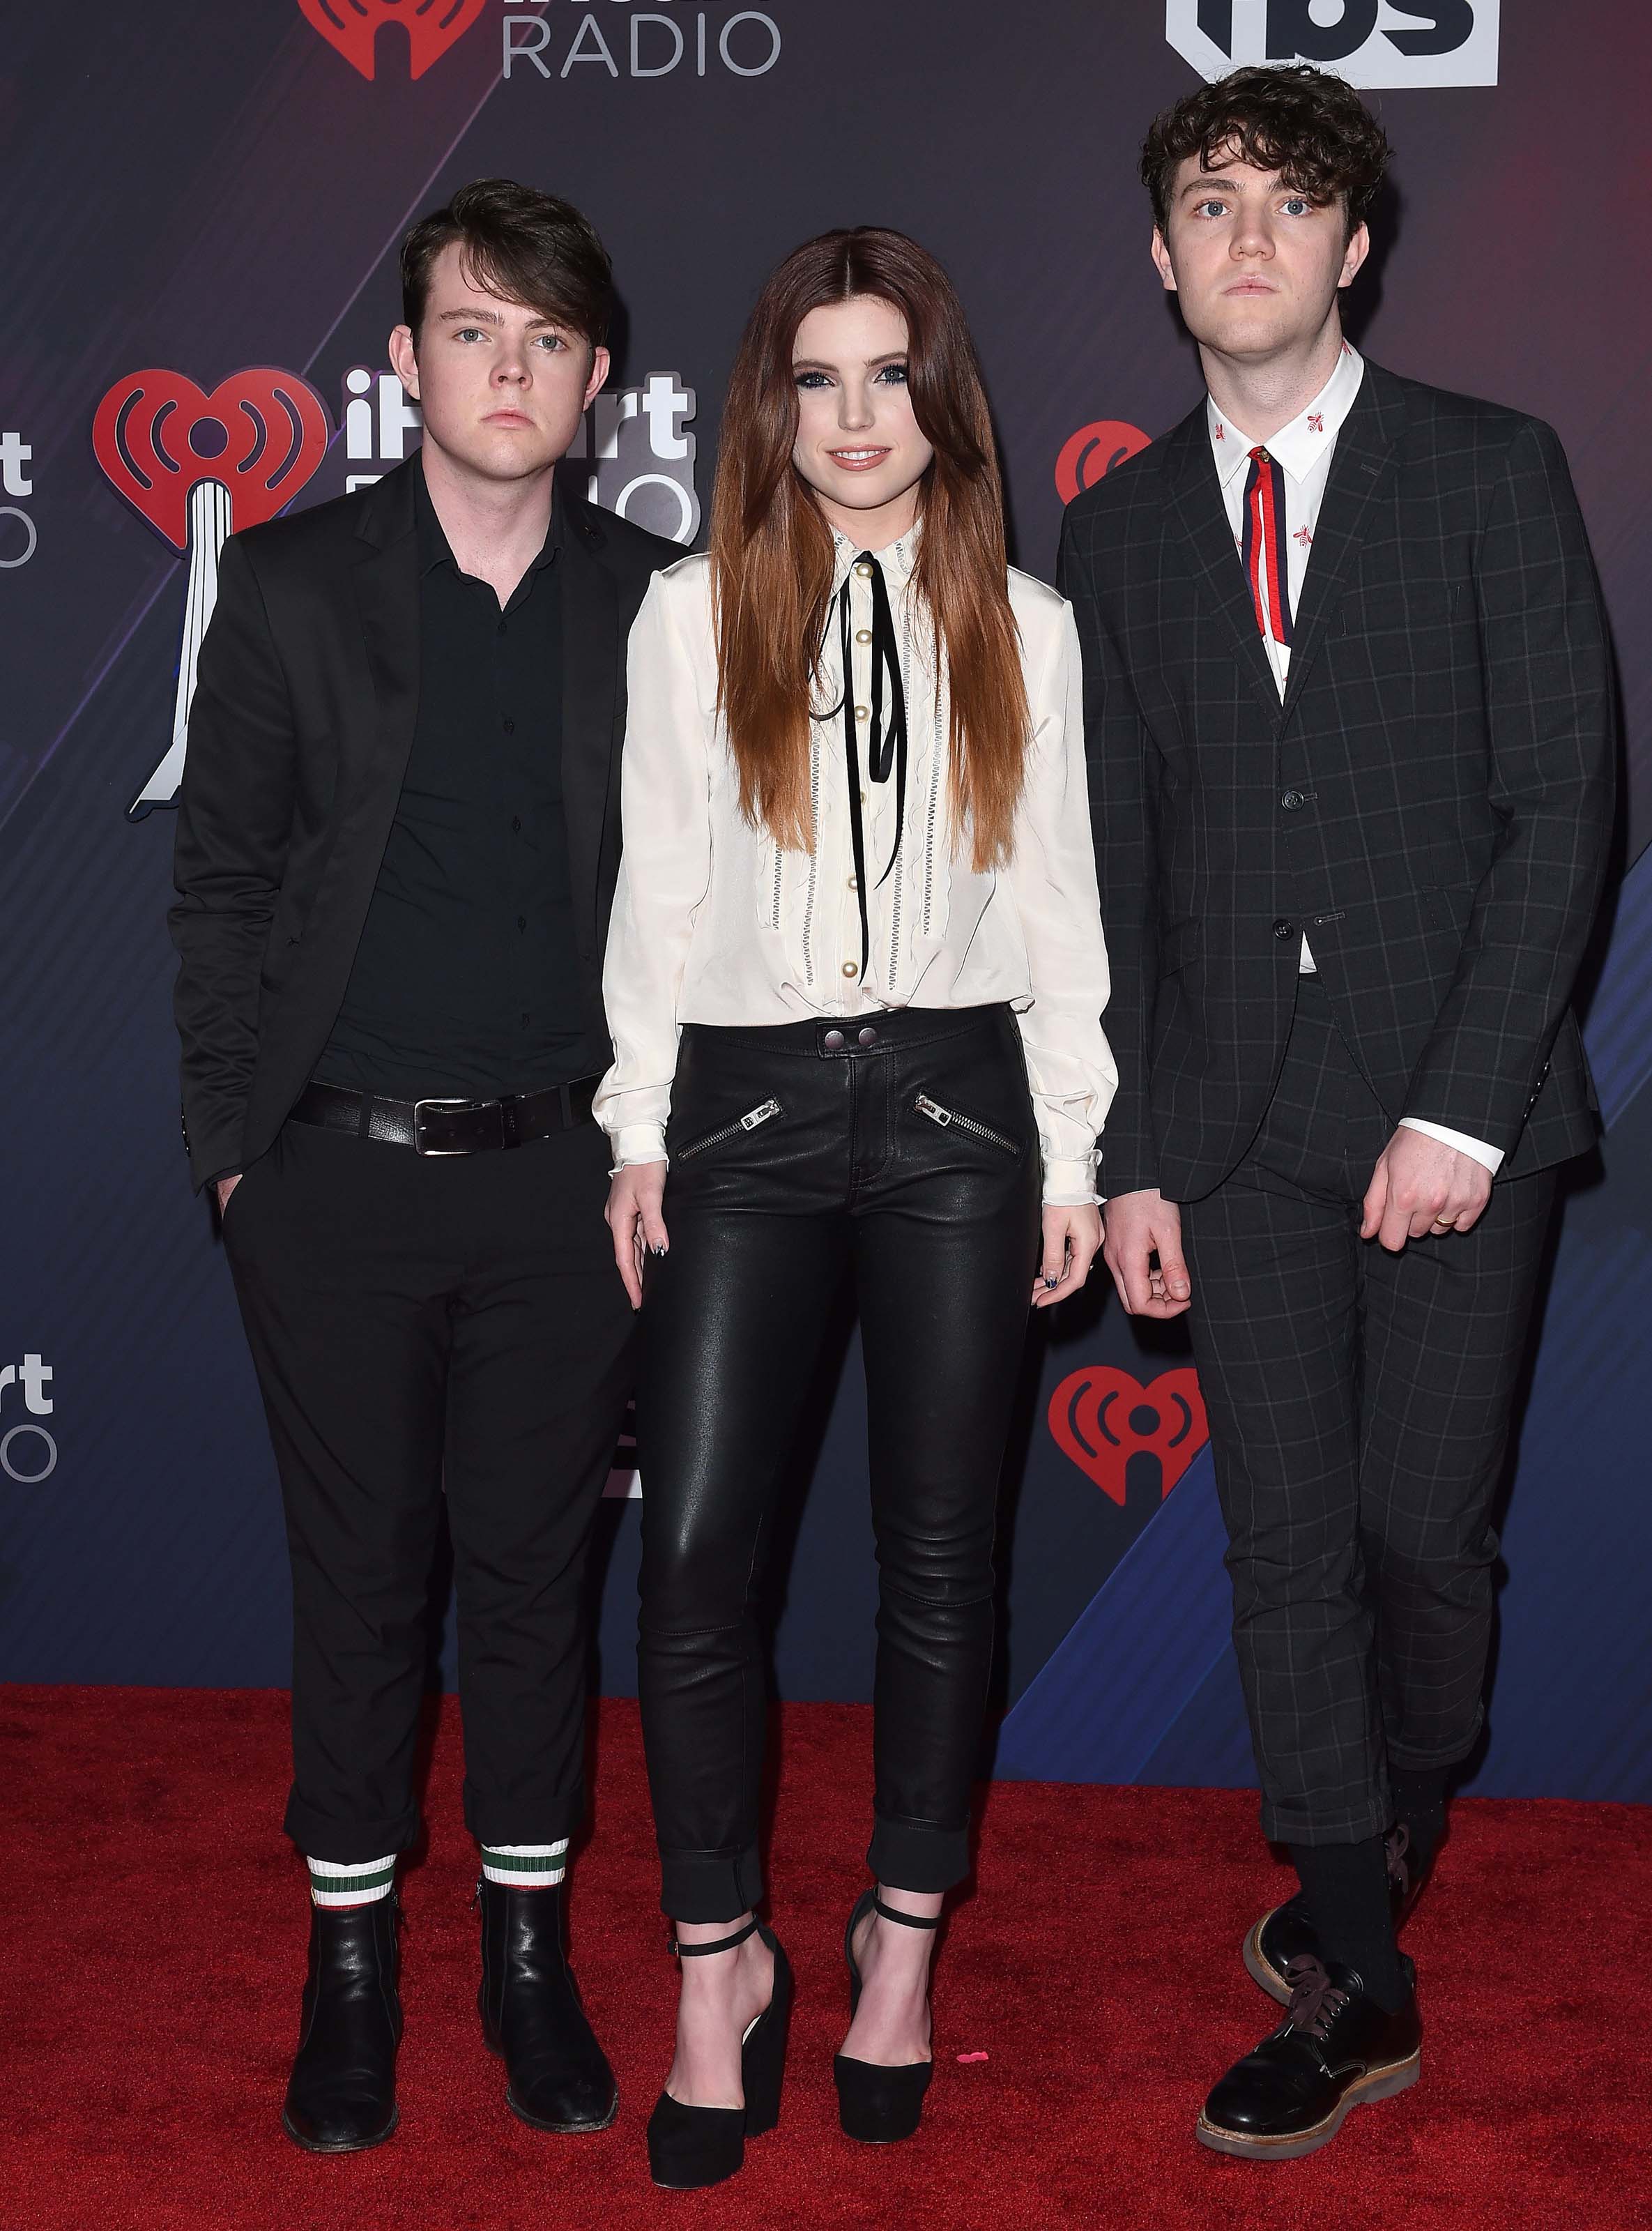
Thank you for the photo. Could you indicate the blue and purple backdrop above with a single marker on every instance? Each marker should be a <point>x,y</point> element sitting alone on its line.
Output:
<point>203,206</point>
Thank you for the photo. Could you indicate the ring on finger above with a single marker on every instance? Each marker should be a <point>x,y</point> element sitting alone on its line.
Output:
<point>1445,1223</point>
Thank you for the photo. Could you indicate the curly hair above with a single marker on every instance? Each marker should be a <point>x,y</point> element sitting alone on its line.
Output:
<point>1310,126</point>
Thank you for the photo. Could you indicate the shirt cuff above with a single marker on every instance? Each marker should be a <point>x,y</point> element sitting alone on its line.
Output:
<point>1069,1182</point>
<point>639,1142</point>
<point>1491,1157</point>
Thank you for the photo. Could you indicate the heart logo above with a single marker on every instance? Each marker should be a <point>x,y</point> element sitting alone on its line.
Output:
<point>261,434</point>
<point>352,25</point>
<point>1091,453</point>
<point>1101,1417</point>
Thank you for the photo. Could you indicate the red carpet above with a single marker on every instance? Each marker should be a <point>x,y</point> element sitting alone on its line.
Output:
<point>155,1947</point>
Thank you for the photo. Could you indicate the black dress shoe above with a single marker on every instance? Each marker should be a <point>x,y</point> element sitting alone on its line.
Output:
<point>1336,2050</point>
<point>1287,1934</point>
<point>341,2095</point>
<point>557,2075</point>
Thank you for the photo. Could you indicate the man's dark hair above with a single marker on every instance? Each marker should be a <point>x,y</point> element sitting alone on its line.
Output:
<point>522,246</point>
<point>1312,127</point>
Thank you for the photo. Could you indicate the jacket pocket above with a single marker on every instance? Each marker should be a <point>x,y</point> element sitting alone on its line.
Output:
<point>765,1112</point>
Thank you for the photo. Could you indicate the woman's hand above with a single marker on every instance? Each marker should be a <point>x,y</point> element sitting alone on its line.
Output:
<point>634,1218</point>
<point>1072,1237</point>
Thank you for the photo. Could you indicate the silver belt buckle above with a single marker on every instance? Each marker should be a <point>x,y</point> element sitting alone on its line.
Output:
<point>437,1153</point>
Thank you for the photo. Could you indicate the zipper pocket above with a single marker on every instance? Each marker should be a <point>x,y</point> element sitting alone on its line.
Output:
<point>749,1122</point>
<point>936,1114</point>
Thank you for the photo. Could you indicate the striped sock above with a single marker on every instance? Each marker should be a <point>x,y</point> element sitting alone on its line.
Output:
<point>331,1884</point>
<point>525,1866</point>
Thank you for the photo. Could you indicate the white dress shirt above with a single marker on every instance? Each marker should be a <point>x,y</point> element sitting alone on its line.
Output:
<point>714,923</point>
<point>1303,450</point>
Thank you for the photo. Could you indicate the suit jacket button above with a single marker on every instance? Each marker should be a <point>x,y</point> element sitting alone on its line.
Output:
<point>1282,930</point>
<point>1293,800</point>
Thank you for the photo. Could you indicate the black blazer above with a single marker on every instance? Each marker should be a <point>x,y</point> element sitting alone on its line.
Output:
<point>300,731</point>
<point>1431,803</point>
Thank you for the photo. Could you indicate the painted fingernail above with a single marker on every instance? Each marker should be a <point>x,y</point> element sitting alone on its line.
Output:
<point>1053,1282</point>
<point>657,1251</point>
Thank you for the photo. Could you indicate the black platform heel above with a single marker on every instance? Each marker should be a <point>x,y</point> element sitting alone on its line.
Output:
<point>689,2147</point>
<point>877,2105</point>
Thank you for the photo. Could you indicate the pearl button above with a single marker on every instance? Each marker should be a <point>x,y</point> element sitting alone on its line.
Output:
<point>854,882</point>
<point>851,968</point>
<point>861,715</point>
<point>833,1041</point>
<point>862,635</point>
<point>864,570</point>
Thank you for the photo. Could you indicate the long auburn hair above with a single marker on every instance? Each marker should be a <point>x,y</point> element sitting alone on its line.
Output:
<point>771,548</point>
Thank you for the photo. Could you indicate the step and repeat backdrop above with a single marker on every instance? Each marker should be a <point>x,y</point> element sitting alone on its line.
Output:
<point>202,209</point>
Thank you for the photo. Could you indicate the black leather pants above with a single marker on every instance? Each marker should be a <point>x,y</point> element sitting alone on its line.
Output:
<point>901,1150</point>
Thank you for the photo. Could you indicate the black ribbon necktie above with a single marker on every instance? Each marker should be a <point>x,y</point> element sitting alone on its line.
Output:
<point>885,746</point>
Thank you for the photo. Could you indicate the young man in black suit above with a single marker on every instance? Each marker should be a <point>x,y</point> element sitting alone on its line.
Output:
<point>1351,726</point>
<point>396,849</point>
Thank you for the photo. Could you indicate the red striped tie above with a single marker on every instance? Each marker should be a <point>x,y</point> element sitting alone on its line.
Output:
<point>1266,553</point>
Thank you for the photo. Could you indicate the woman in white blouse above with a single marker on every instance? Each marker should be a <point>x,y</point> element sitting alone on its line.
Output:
<point>855,980</point>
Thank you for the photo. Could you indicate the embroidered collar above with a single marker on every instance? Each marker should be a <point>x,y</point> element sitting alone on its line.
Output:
<point>1300,445</point>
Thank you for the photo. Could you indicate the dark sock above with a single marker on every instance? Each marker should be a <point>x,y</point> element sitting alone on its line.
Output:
<point>1344,1887</point>
<point>1420,1805</point>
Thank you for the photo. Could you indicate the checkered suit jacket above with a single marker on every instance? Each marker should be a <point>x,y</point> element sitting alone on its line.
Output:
<point>1430,804</point>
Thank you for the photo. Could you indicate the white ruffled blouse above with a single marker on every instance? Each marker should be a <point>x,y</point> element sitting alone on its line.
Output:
<point>714,923</point>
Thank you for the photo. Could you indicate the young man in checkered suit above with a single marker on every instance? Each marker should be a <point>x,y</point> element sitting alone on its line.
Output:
<point>1351,729</point>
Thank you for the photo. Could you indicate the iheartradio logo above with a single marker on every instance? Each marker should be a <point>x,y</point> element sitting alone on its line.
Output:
<point>200,467</point>
<point>1091,453</point>
<point>1100,1417</point>
<point>353,27</point>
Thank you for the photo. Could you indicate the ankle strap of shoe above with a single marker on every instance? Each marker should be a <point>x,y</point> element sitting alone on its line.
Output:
<point>718,1944</point>
<point>912,1920</point>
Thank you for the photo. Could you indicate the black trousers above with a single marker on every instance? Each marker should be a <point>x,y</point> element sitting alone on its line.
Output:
<point>418,1323</point>
<point>835,1170</point>
<point>1360,1406</point>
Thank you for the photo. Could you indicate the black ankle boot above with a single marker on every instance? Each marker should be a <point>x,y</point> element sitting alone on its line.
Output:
<point>557,2076</point>
<point>341,2095</point>
<point>874,2104</point>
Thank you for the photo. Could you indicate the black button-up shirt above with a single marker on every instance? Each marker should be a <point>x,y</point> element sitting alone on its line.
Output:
<point>466,979</point>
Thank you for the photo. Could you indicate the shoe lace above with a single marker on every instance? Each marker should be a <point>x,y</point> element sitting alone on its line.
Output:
<point>1396,1844</point>
<point>1315,2000</point>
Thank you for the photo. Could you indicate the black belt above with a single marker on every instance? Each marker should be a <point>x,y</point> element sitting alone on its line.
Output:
<point>447,1127</point>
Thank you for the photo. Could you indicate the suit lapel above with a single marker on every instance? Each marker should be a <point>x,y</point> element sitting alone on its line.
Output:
<point>385,580</point>
<point>1207,540</point>
<point>1360,473</point>
<point>591,673</point>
